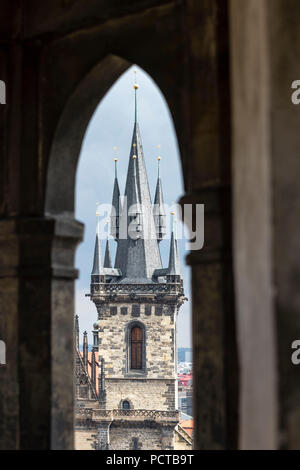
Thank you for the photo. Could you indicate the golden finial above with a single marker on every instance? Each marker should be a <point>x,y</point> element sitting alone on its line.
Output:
<point>159,157</point>
<point>115,160</point>
<point>135,86</point>
<point>134,145</point>
<point>173,220</point>
<point>134,157</point>
<point>115,149</point>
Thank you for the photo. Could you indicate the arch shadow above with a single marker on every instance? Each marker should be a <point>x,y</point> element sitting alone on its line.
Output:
<point>70,131</point>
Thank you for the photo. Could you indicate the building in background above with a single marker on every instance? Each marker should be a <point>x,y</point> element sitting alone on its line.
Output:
<point>185,354</point>
<point>127,395</point>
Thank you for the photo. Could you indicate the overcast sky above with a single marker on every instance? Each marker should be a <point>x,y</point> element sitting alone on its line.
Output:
<point>110,126</point>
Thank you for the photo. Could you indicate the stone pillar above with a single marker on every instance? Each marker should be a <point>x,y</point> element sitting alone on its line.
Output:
<point>265,54</point>
<point>208,181</point>
<point>101,385</point>
<point>252,224</point>
<point>95,337</point>
<point>103,435</point>
<point>9,333</point>
<point>85,351</point>
<point>93,375</point>
<point>215,365</point>
<point>76,328</point>
<point>37,315</point>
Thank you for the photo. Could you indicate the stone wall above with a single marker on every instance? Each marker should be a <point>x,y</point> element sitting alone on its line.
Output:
<point>84,440</point>
<point>159,330</point>
<point>148,437</point>
<point>142,394</point>
<point>152,388</point>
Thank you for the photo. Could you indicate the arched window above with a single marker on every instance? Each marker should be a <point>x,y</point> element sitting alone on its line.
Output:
<point>135,339</point>
<point>135,444</point>
<point>126,405</point>
<point>136,348</point>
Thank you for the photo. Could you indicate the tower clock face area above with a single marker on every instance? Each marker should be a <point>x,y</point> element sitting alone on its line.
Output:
<point>131,391</point>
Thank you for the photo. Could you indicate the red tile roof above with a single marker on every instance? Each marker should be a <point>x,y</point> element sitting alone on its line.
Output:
<point>187,425</point>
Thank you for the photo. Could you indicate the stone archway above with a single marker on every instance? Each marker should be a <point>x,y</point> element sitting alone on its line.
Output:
<point>59,207</point>
<point>66,145</point>
<point>184,47</point>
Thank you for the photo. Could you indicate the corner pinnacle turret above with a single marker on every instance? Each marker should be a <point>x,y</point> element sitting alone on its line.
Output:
<point>116,206</point>
<point>97,263</point>
<point>158,207</point>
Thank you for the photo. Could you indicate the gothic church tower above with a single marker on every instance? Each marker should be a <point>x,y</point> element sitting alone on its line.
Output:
<point>137,302</point>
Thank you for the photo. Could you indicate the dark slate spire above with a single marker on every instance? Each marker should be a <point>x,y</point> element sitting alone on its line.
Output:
<point>137,259</point>
<point>76,328</point>
<point>93,375</point>
<point>158,209</point>
<point>174,263</point>
<point>115,215</point>
<point>107,257</point>
<point>135,209</point>
<point>85,351</point>
<point>97,264</point>
<point>101,273</point>
<point>177,250</point>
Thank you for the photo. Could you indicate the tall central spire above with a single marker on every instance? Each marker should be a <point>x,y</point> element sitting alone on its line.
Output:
<point>137,257</point>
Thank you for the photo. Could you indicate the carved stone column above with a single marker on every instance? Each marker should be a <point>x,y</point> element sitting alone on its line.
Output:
<point>37,314</point>
<point>207,173</point>
<point>265,50</point>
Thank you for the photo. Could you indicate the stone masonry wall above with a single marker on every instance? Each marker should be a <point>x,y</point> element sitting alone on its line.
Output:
<point>84,440</point>
<point>160,327</point>
<point>141,393</point>
<point>153,387</point>
<point>148,438</point>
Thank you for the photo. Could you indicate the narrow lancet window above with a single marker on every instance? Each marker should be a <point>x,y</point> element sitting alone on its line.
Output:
<point>136,343</point>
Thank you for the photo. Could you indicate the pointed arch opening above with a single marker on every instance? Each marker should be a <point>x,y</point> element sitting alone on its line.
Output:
<point>136,348</point>
<point>111,126</point>
<point>158,173</point>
